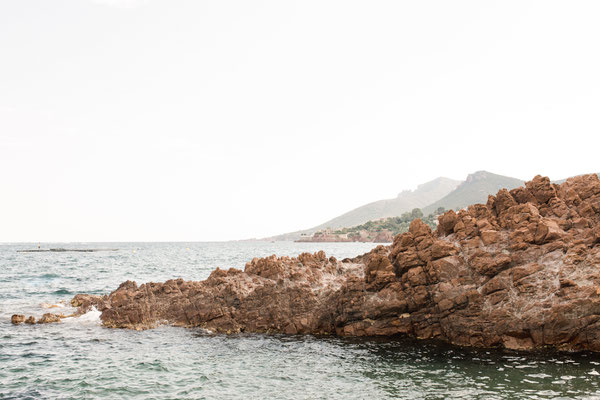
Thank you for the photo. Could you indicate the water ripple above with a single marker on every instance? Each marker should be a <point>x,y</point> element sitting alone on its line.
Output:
<point>78,358</point>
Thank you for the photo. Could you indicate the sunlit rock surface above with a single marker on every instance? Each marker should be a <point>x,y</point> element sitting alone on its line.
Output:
<point>522,272</point>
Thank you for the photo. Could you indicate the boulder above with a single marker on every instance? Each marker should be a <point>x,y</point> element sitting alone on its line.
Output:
<point>446,223</point>
<point>541,189</point>
<point>490,236</point>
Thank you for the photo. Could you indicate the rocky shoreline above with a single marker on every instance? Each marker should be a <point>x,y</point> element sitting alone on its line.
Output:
<point>379,237</point>
<point>520,272</point>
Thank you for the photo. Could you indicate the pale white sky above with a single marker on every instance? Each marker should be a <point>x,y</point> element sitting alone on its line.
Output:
<point>214,120</point>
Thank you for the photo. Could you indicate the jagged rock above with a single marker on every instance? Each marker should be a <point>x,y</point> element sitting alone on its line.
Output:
<point>548,230</point>
<point>30,320</point>
<point>541,189</point>
<point>522,272</point>
<point>447,221</point>
<point>49,318</point>
<point>504,201</point>
<point>489,236</point>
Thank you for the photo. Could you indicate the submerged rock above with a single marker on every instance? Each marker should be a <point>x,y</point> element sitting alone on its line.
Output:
<point>521,272</point>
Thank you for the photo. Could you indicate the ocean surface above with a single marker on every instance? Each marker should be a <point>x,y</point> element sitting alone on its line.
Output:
<point>79,359</point>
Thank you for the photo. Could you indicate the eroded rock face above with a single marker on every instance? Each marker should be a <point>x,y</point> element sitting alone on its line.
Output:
<point>522,271</point>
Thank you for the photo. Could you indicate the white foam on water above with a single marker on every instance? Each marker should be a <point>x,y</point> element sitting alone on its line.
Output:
<point>541,375</point>
<point>567,377</point>
<point>521,366</point>
<point>91,317</point>
<point>529,381</point>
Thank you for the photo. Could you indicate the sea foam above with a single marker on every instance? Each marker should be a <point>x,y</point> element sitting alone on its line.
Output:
<point>91,317</point>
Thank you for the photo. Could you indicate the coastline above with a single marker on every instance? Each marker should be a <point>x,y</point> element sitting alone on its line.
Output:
<point>461,283</point>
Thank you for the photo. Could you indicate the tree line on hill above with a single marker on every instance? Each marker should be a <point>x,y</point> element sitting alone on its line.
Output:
<point>394,225</point>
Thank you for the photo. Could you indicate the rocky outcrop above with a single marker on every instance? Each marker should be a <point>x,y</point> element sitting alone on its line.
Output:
<point>47,318</point>
<point>522,272</point>
<point>291,295</point>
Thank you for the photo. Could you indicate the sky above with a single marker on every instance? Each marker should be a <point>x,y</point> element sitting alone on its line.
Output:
<point>151,120</point>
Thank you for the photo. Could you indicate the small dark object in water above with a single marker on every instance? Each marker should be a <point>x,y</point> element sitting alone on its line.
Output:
<point>59,250</point>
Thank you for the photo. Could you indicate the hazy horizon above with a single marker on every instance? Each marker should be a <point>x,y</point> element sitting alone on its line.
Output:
<point>133,120</point>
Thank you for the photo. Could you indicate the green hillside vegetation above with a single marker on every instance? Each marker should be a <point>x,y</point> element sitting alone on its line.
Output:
<point>393,214</point>
<point>405,202</point>
<point>395,225</point>
<point>474,190</point>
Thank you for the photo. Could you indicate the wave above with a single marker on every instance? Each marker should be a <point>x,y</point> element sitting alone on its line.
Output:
<point>91,317</point>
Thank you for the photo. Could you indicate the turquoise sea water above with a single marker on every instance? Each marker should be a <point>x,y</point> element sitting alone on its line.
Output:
<point>79,359</point>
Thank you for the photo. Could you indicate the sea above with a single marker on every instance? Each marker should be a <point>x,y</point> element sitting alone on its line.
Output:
<point>79,359</point>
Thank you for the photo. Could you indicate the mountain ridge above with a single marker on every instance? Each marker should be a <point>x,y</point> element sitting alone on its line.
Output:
<point>473,190</point>
<point>405,201</point>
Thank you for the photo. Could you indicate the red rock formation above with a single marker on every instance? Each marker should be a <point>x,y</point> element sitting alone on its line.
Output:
<point>522,271</point>
<point>49,318</point>
<point>17,319</point>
